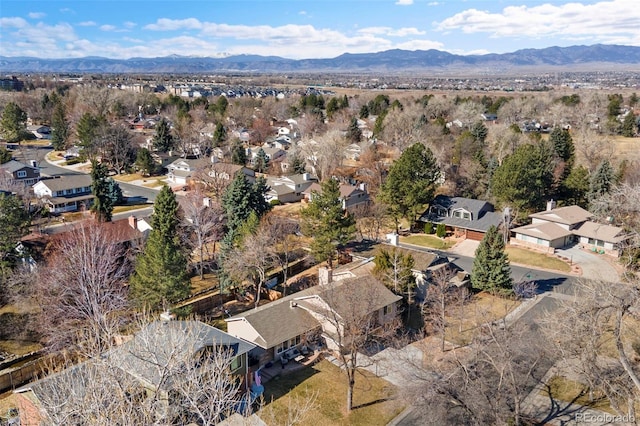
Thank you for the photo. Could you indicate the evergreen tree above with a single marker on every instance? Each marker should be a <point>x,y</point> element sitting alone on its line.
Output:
<point>87,130</point>
<point>479,133</point>
<point>629,125</point>
<point>601,181</point>
<point>491,271</point>
<point>354,133</point>
<point>332,107</point>
<point>160,274</point>
<point>297,165</point>
<point>13,124</point>
<point>343,102</point>
<point>102,204</point>
<point>562,144</point>
<point>114,192</point>
<point>325,220</point>
<point>241,198</point>
<point>576,186</point>
<point>219,135</point>
<point>163,140</point>
<point>145,162</point>
<point>411,182</point>
<point>364,111</point>
<point>238,154</point>
<point>60,130</point>
<point>261,161</point>
<point>5,155</point>
<point>524,178</point>
<point>14,223</point>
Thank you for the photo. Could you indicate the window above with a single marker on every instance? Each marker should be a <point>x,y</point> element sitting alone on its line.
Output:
<point>595,242</point>
<point>236,363</point>
<point>466,215</point>
<point>386,310</point>
<point>21,174</point>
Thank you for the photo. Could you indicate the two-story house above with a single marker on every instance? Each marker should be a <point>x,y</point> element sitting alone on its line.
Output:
<point>563,226</point>
<point>14,172</point>
<point>288,189</point>
<point>464,217</point>
<point>351,196</point>
<point>65,193</point>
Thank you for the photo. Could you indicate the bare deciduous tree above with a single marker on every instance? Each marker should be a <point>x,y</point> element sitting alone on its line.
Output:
<point>204,226</point>
<point>82,290</point>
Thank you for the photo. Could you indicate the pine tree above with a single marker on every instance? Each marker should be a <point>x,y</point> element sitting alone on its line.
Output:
<point>5,155</point>
<point>491,271</point>
<point>13,123</point>
<point>87,132</point>
<point>145,162</point>
<point>163,140</point>
<point>160,274</point>
<point>241,198</point>
<point>114,192</point>
<point>219,135</point>
<point>601,181</point>
<point>562,144</point>
<point>354,133</point>
<point>325,220</point>
<point>14,223</point>
<point>262,161</point>
<point>102,204</point>
<point>629,125</point>
<point>238,154</point>
<point>60,131</point>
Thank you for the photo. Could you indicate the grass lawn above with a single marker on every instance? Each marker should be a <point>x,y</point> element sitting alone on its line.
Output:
<point>373,398</point>
<point>562,389</point>
<point>464,322</point>
<point>15,337</point>
<point>428,241</point>
<point>128,178</point>
<point>539,260</point>
<point>131,207</point>
<point>154,183</point>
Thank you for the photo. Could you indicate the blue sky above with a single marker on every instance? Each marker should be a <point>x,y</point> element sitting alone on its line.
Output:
<point>300,29</point>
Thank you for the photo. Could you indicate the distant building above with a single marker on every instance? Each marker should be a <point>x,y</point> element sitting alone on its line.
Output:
<point>11,84</point>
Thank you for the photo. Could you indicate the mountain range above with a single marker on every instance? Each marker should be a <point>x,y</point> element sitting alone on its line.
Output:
<point>599,57</point>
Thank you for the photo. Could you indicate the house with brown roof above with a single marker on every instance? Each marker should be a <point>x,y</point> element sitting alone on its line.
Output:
<point>560,227</point>
<point>299,320</point>
<point>351,196</point>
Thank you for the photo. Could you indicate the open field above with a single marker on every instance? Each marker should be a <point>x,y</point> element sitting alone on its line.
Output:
<point>373,398</point>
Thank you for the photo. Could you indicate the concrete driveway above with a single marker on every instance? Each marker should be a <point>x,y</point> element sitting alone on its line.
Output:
<point>594,266</point>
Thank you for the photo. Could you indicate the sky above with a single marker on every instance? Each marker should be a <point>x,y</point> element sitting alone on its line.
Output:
<point>299,29</point>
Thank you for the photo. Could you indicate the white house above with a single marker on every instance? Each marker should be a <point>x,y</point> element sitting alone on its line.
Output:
<point>66,193</point>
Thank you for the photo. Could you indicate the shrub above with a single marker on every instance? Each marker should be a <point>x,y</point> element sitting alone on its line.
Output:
<point>441,230</point>
<point>275,202</point>
<point>429,228</point>
<point>72,161</point>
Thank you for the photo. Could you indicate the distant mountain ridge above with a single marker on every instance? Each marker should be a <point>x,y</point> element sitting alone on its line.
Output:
<point>595,57</point>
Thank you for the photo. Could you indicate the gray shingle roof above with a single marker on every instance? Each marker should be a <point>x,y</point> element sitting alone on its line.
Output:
<point>67,182</point>
<point>483,216</point>
<point>13,166</point>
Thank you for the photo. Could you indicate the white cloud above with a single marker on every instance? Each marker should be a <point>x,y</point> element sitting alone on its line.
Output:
<point>433,3</point>
<point>164,24</point>
<point>87,24</point>
<point>107,28</point>
<point>129,24</point>
<point>36,15</point>
<point>68,10</point>
<point>392,32</point>
<point>596,22</point>
<point>404,2</point>
<point>13,23</point>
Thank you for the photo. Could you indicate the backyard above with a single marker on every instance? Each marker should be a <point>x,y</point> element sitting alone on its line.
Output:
<point>325,384</point>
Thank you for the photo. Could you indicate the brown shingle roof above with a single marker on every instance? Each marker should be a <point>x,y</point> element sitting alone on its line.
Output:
<point>548,231</point>
<point>569,215</point>
<point>598,231</point>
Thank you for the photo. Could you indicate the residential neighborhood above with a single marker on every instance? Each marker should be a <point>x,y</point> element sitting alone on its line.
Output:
<point>183,258</point>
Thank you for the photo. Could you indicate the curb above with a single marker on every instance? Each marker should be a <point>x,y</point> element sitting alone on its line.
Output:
<point>400,417</point>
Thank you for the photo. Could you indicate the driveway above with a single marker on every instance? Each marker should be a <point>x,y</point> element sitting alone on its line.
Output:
<point>594,266</point>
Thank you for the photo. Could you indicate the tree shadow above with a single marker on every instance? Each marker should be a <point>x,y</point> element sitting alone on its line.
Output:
<point>370,403</point>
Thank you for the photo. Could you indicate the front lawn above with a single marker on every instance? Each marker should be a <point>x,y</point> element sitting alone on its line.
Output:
<point>536,260</point>
<point>325,384</point>
<point>562,389</point>
<point>430,241</point>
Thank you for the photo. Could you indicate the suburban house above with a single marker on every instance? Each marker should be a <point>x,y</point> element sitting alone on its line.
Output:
<point>14,172</point>
<point>352,196</point>
<point>427,265</point>
<point>146,365</point>
<point>559,227</point>
<point>299,321</point>
<point>272,153</point>
<point>184,170</point>
<point>40,132</point>
<point>288,189</point>
<point>352,151</point>
<point>65,193</point>
<point>464,217</point>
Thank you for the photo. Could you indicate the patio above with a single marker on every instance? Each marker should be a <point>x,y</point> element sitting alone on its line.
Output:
<point>276,368</point>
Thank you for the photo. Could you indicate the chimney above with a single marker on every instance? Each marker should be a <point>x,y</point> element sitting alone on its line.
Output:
<point>551,205</point>
<point>363,187</point>
<point>325,275</point>
<point>34,164</point>
<point>133,222</point>
<point>206,202</point>
<point>306,177</point>
<point>167,316</point>
<point>393,239</point>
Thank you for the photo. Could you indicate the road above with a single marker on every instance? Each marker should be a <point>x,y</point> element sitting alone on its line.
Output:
<point>27,153</point>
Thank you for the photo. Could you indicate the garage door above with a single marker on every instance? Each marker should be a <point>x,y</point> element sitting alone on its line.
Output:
<point>475,235</point>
